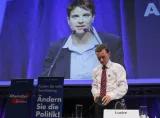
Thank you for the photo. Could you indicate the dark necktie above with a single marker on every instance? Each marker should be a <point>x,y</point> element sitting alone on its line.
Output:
<point>103,82</point>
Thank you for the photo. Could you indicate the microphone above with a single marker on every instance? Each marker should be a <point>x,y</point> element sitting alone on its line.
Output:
<point>89,30</point>
<point>55,59</point>
<point>73,31</point>
<point>85,30</point>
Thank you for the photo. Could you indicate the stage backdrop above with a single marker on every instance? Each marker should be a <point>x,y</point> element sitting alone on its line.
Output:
<point>27,27</point>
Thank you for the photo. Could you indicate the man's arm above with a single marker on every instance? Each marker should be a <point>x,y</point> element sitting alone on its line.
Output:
<point>122,85</point>
<point>94,89</point>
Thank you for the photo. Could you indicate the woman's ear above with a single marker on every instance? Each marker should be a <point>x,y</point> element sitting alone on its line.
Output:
<point>68,21</point>
<point>93,18</point>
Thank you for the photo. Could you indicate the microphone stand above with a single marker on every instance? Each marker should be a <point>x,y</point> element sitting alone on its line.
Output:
<point>91,30</point>
<point>55,59</point>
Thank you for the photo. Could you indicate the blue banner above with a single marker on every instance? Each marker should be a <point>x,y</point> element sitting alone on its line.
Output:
<point>147,16</point>
<point>49,97</point>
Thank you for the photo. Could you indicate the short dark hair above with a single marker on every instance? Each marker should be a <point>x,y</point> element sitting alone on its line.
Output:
<point>85,4</point>
<point>100,47</point>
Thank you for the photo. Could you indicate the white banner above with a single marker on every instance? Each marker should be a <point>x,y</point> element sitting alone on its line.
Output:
<point>121,113</point>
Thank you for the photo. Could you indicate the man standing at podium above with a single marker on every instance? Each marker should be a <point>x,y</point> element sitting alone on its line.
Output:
<point>109,82</point>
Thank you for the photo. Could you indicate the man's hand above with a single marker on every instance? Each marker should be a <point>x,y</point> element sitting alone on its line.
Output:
<point>106,99</point>
<point>96,98</point>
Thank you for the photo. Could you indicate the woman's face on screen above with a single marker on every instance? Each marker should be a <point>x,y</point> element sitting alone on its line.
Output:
<point>80,20</point>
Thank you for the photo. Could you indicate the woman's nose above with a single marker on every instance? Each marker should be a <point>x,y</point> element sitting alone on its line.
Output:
<point>80,20</point>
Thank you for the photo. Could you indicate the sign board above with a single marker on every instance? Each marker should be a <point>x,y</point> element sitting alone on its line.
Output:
<point>49,97</point>
<point>111,113</point>
<point>19,102</point>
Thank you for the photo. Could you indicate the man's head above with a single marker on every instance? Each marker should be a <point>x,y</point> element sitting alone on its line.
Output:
<point>80,15</point>
<point>103,53</point>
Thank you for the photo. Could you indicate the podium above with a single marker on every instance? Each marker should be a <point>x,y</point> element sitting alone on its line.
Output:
<point>110,113</point>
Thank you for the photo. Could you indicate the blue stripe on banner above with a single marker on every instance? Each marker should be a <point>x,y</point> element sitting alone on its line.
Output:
<point>2,11</point>
<point>147,15</point>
